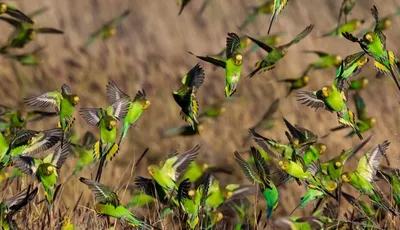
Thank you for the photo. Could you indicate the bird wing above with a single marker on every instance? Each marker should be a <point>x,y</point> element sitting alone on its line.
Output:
<point>232,44</point>
<point>249,172</point>
<point>42,141</point>
<point>215,60</point>
<point>49,99</point>
<point>117,20</point>
<point>319,53</point>
<point>15,203</point>
<point>102,193</point>
<point>91,115</point>
<point>195,77</point>
<point>26,165</point>
<point>261,166</point>
<point>310,99</point>
<point>382,37</point>
<point>300,36</point>
<point>60,154</point>
<point>48,30</point>
<point>183,161</point>
<point>114,93</point>
<point>261,44</point>
<point>120,108</point>
<point>369,163</point>
<point>262,142</point>
<point>140,95</point>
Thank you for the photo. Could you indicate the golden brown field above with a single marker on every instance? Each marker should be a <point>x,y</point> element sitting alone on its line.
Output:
<point>150,51</point>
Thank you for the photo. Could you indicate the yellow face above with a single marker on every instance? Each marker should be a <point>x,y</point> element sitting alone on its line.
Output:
<point>247,42</point>
<point>229,195</point>
<point>271,7</point>
<point>362,61</point>
<point>76,100</point>
<point>3,8</point>
<point>296,142</point>
<point>322,149</point>
<point>49,170</point>
<point>112,124</point>
<point>112,31</point>
<point>151,170</point>
<point>277,40</point>
<point>387,23</point>
<point>191,192</point>
<point>338,60</point>
<point>364,83</point>
<point>283,52</point>
<point>338,164</point>
<point>204,167</point>
<point>283,164</point>
<point>373,121</point>
<point>331,186</point>
<point>32,35</point>
<point>358,24</point>
<point>346,177</point>
<point>219,217</point>
<point>370,37</point>
<point>325,92</point>
<point>146,104</point>
<point>238,59</point>
<point>306,79</point>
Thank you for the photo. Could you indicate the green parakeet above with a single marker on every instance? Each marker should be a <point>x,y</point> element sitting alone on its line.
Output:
<point>363,177</point>
<point>108,204</point>
<point>232,64</point>
<point>324,61</point>
<point>136,106</point>
<point>349,26</point>
<point>10,206</point>
<point>277,8</point>
<point>351,66</point>
<point>46,170</point>
<point>151,188</point>
<point>345,8</point>
<point>357,84</point>
<point>185,96</point>
<point>296,83</point>
<point>14,12</point>
<point>260,176</point>
<point>374,44</point>
<point>106,120</point>
<point>24,33</point>
<point>106,31</point>
<point>63,102</point>
<point>275,54</point>
<point>33,58</point>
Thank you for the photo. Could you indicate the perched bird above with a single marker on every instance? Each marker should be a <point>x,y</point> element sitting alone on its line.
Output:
<point>374,44</point>
<point>331,99</point>
<point>267,7</point>
<point>24,33</point>
<point>106,120</point>
<point>349,26</point>
<point>137,106</point>
<point>357,84</point>
<point>346,7</point>
<point>260,176</point>
<point>14,12</point>
<point>108,204</point>
<point>12,205</point>
<point>167,174</point>
<point>27,143</point>
<point>324,61</point>
<point>232,64</point>
<point>278,7</point>
<point>182,4</point>
<point>363,177</point>
<point>193,206</point>
<point>275,54</point>
<point>63,102</point>
<point>107,30</point>
<point>46,170</point>
<point>297,83</point>
<point>185,96</point>
<point>363,122</point>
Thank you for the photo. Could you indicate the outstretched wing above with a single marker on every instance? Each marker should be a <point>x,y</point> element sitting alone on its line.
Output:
<point>262,142</point>
<point>212,59</point>
<point>261,44</point>
<point>300,36</point>
<point>120,108</point>
<point>102,193</point>
<point>114,93</point>
<point>60,155</point>
<point>232,44</point>
<point>195,77</point>
<point>382,37</point>
<point>369,163</point>
<point>26,165</point>
<point>91,115</point>
<point>43,141</point>
<point>249,172</point>
<point>183,161</point>
<point>310,99</point>
<point>50,99</point>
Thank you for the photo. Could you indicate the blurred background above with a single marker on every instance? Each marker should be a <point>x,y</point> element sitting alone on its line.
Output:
<point>150,51</point>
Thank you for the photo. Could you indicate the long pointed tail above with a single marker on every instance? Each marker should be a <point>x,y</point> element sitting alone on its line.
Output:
<point>272,21</point>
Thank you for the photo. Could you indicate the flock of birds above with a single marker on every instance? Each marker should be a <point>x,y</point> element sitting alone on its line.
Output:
<point>180,189</point>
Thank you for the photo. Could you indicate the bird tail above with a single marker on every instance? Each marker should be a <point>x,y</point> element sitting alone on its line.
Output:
<point>261,66</point>
<point>338,128</point>
<point>271,21</point>
<point>100,169</point>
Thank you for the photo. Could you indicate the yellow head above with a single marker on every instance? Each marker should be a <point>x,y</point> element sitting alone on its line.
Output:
<point>32,35</point>
<point>364,60</point>
<point>322,149</point>
<point>387,23</point>
<point>75,100</point>
<point>283,52</point>
<point>223,110</point>
<point>152,169</point>
<point>369,37</point>
<point>331,185</point>
<point>204,167</point>
<point>364,83</point>
<point>284,164</point>
<point>112,124</point>
<point>338,60</point>
<point>3,8</point>
<point>325,92</point>
<point>192,192</point>
<point>112,31</point>
<point>247,42</point>
<point>306,79</point>
<point>277,39</point>
<point>338,164</point>
<point>200,128</point>
<point>219,217</point>
<point>237,59</point>
<point>49,170</point>
<point>229,195</point>
<point>373,121</point>
<point>346,177</point>
<point>146,104</point>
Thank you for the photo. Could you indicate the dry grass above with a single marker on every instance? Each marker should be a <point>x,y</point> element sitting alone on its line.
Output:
<point>150,52</point>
